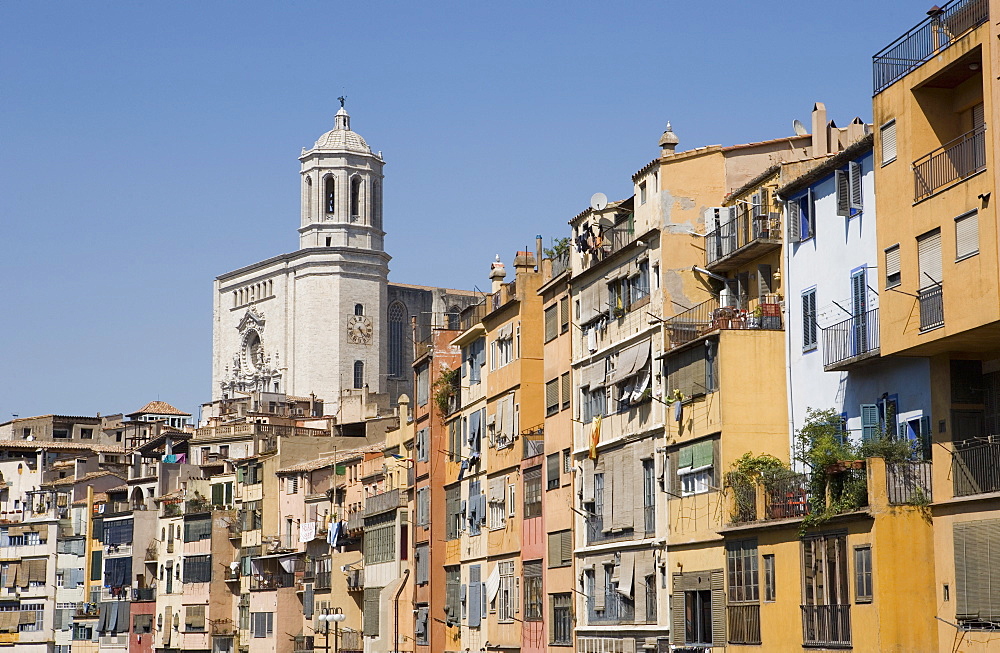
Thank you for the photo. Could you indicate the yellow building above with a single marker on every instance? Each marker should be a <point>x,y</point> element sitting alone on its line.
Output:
<point>935,94</point>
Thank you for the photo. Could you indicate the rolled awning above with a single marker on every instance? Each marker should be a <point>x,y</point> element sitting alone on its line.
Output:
<point>630,360</point>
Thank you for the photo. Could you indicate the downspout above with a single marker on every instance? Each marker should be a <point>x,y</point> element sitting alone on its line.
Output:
<point>789,394</point>
<point>395,611</point>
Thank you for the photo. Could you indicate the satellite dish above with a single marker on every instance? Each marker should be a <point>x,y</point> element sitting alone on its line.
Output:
<point>800,129</point>
<point>598,201</point>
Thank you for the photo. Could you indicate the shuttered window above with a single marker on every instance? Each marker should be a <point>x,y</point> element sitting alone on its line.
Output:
<point>194,618</point>
<point>888,140</point>
<point>854,173</point>
<point>421,557</point>
<point>560,549</point>
<point>198,569</point>
<point>262,624</point>
<point>370,613</point>
<point>475,595</point>
<point>561,623</point>
<point>552,472</point>
<point>551,322</point>
<point>552,397</point>
<point>532,572</point>
<point>809,319</point>
<point>966,235</point>
<point>698,608</point>
<point>567,390</point>
<point>977,555</point>
<point>686,372</point>
<point>843,192</point>
<point>929,259</point>
<point>893,276</point>
<point>564,315</point>
<point>863,574</point>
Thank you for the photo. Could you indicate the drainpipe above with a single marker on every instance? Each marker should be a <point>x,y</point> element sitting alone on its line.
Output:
<point>395,611</point>
<point>787,258</point>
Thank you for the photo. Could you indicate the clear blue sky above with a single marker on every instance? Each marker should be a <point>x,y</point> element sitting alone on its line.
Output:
<point>146,148</point>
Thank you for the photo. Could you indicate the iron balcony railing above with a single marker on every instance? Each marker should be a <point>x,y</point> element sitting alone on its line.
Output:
<point>534,441</point>
<point>271,581</point>
<point>826,625</point>
<point>144,594</point>
<point>931,307</point>
<point>617,610</point>
<point>744,623</point>
<point>758,313</point>
<point>975,467</point>
<point>953,161</point>
<point>596,534</point>
<point>786,498</point>
<point>853,338</point>
<point>928,38</point>
<point>909,483</point>
<point>736,234</point>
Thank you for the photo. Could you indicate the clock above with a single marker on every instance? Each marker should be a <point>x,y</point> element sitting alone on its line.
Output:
<point>359,329</point>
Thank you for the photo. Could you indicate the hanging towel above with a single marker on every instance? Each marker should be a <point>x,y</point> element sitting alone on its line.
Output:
<point>493,583</point>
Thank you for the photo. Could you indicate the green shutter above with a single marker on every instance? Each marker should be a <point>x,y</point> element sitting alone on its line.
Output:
<point>685,457</point>
<point>925,436</point>
<point>95,564</point>
<point>702,453</point>
<point>869,421</point>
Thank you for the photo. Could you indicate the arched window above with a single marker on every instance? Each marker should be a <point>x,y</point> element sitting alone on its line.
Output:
<point>376,204</point>
<point>330,195</point>
<point>355,199</point>
<point>397,329</point>
<point>359,374</point>
<point>454,323</point>
<point>359,309</point>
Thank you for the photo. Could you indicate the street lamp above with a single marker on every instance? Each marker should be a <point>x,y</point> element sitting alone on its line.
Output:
<point>336,617</point>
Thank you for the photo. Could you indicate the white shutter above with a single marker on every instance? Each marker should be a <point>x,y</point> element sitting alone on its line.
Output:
<point>929,259</point>
<point>966,235</point>
<point>855,178</point>
<point>792,211</point>
<point>888,139</point>
<point>892,269</point>
<point>843,193</point>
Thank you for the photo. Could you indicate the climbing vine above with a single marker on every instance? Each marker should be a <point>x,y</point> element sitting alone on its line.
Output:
<point>445,389</point>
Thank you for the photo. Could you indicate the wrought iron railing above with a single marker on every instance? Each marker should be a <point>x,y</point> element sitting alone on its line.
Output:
<point>826,625</point>
<point>617,610</point>
<point>928,38</point>
<point>144,594</point>
<point>787,497</point>
<point>744,623</point>
<point>534,441</point>
<point>953,161</point>
<point>975,467</point>
<point>854,337</point>
<point>736,234</point>
<point>271,581</point>
<point>931,307</point>
<point>759,313</point>
<point>909,483</point>
<point>596,533</point>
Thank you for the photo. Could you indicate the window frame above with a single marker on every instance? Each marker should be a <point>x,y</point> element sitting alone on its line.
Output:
<point>810,328</point>
<point>864,589</point>
<point>973,216</point>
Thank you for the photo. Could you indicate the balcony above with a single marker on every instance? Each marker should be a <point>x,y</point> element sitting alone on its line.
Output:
<point>909,483</point>
<point>612,240</point>
<point>921,43</point>
<point>114,641</point>
<point>826,625</point>
<point>617,610</point>
<point>222,628</point>
<point>271,581</point>
<point>384,502</point>
<point>975,467</point>
<point>141,594</point>
<point>744,623</point>
<point>952,162</point>
<point>597,535</point>
<point>355,580</point>
<point>708,316</point>
<point>931,307</point>
<point>785,497</point>
<point>741,240</point>
<point>534,441</point>
<point>355,523</point>
<point>850,342</point>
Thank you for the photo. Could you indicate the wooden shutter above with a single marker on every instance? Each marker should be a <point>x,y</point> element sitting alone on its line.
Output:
<point>978,116</point>
<point>869,421</point>
<point>966,235</point>
<point>888,140</point>
<point>792,217</point>
<point>566,548</point>
<point>567,391</point>
<point>929,259</point>
<point>854,168</point>
<point>552,397</point>
<point>475,596</point>
<point>718,607</point>
<point>564,314</point>
<point>763,280</point>
<point>811,213</point>
<point>843,193</point>
<point>677,630</point>
<point>551,323</point>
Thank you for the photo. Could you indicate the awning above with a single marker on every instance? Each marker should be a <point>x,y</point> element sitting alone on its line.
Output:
<point>630,360</point>
<point>592,375</point>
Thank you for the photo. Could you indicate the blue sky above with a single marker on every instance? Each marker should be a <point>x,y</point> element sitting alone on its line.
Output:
<point>146,148</point>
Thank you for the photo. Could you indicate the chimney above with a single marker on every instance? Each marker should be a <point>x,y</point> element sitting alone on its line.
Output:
<point>820,141</point>
<point>668,141</point>
<point>524,262</point>
<point>497,274</point>
<point>538,251</point>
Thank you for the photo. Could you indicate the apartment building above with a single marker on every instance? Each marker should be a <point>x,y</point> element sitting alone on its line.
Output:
<point>934,100</point>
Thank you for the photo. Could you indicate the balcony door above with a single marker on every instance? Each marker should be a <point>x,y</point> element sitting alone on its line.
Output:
<point>859,306</point>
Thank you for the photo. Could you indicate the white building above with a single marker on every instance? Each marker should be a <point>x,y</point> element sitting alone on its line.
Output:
<point>325,318</point>
<point>832,302</point>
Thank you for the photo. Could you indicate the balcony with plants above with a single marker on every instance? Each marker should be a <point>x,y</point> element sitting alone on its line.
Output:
<point>751,233</point>
<point>730,314</point>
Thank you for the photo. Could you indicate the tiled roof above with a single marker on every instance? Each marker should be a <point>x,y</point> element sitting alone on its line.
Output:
<point>327,461</point>
<point>69,446</point>
<point>159,408</point>
<point>92,418</point>
<point>99,497</point>
<point>69,480</point>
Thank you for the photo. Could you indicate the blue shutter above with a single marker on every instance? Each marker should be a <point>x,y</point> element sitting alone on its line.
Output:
<point>869,421</point>
<point>925,436</point>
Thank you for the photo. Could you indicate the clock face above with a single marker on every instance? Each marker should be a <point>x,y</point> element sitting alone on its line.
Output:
<point>359,329</point>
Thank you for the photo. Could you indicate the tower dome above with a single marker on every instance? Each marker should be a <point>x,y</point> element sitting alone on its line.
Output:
<point>341,137</point>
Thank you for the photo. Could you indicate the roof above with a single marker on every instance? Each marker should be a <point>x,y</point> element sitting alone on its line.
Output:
<point>342,139</point>
<point>825,167</point>
<point>772,141</point>
<point>328,461</point>
<point>69,480</point>
<point>159,408</point>
<point>99,497</point>
<point>69,446</point>
<point>756,181</point>
<point>92,418</point>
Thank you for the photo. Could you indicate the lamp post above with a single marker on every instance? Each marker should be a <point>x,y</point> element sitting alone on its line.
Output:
<point>336,617</point>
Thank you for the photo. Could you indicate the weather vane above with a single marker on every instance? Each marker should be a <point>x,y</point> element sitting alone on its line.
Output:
<point>342,98</point>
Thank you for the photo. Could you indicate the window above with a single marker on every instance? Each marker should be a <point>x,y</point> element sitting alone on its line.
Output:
<point>473,359</point>
<point>420,624</point>
<point>359,309</point>
<point>564,315</point>
<point>809,338</point>
<point>863,574</point>
<point>86,434</point>
<point>638,283</point>
<point>60,434</point>
<point>551,397</point>
<point>198,569</point>
<point>359,374</point>
<point>698,617</point>
<point>552,477</point>
<point>551,322</point>
<point>498,503</point>
<point>848,184</point>
<point>769,579</point>
<point>330,194</point>
<point>453,500</point>
<point>692,372</point>
<point>355,198</point>
<point>642,193</point>
<point>422,445</point>
<point>397,330</point>
<point>650,587</point>
<point>262,624</point>
<point>379,542</point>
<point>695,467</point>
<point>594,400</point>
<point>567,390</point>
<point>194,618</point>
<point>142,624</point>
<point>198,529</point>
<point>966,235</point>
<point>452,598</point>
<point>824,589</point>
<point>423,506</point>
<point>929,259</point>
<point>507,601</point>
<point>977,554</point>
<point>502,349</point>
<point>532,572</point>
<point>560,549</point>
<point>887,138</point>
<point>893,276</point>
<point>291,484</point>
<point>649,495</point>
<point>533,493</point>
<point>561,631</point>
<point>117,572</point>
<point>376,208</point>
<point>801,217</point>
<point>423,385</point>
<point>117,532</point>
<point>421,556</point>
<point>741,570</point>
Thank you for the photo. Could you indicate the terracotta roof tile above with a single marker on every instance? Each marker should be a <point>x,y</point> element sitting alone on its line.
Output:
<point>159,408</point>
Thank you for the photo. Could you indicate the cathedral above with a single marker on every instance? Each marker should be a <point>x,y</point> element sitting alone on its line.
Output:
<point>325,318</point>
